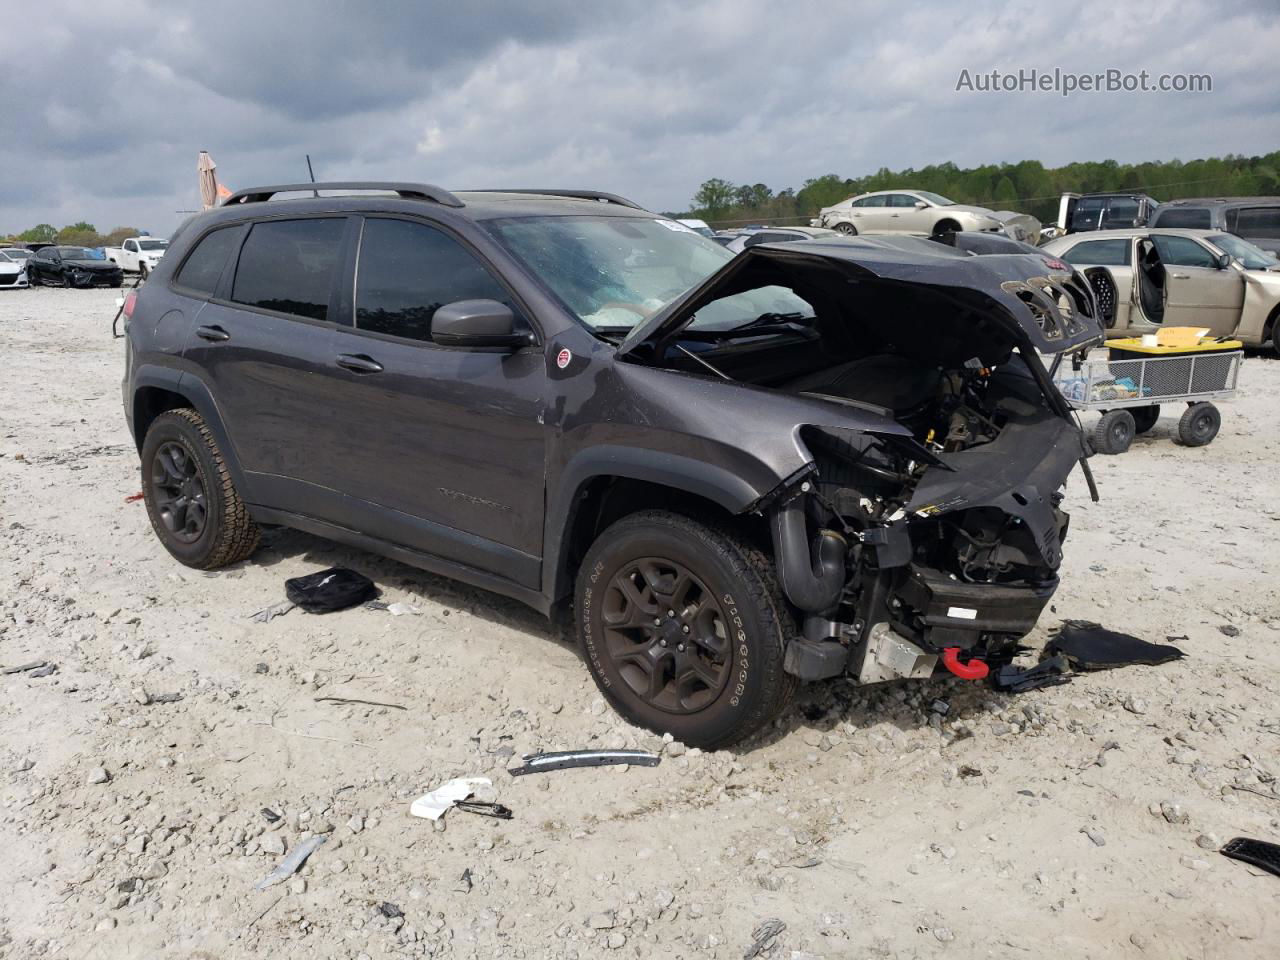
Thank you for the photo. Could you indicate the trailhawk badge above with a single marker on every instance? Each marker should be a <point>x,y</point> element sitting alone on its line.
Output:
<point>563,358</point>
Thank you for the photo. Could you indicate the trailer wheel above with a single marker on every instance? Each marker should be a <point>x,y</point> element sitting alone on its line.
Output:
<point>1144,418</point>
<point>1199,424</point>
<point>1114,432</point>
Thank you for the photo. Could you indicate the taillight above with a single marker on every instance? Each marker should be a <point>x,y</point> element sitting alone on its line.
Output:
<point>129,302</point>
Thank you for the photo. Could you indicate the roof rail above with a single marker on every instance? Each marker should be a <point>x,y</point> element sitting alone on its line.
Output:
<point>409,191</point>
<point>572,194</point>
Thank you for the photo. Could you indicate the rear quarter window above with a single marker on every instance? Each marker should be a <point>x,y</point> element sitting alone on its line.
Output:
<point>289,266</point>
<point>204,266</point>
<point>1194,218</point>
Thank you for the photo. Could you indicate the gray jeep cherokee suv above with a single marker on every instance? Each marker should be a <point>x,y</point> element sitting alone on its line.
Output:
<point>831,457</point>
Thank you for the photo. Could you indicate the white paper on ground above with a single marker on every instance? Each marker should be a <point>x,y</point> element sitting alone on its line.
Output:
<point>433,805</point>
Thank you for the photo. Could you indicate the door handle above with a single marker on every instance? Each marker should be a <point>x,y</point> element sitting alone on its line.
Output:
<point>1180,276</point>
<point>216,334</point>
<point>358,363</point>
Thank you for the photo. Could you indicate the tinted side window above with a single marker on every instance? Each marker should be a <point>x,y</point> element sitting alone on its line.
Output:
<point>408,270</point>
<point>875,202</point>
<point>204,266</point>
<point>1183,252</point>
<point>1191,217</point>
<point>765,237</point>
<point>1259,222</point>
<point>1101,253</point>
<point>901,200</point>
<point>289,266</point>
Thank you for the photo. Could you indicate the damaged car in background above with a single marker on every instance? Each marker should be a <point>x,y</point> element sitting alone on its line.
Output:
<point>733,473</point>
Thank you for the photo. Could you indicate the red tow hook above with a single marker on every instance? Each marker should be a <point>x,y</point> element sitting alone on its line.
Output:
<point>973,670</point>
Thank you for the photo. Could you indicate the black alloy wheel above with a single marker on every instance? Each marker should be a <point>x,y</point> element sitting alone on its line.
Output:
<point>666,634</point>
<point>179,492</point>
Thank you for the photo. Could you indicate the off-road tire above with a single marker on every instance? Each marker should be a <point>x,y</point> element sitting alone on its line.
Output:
<point>229,534</point>
<point>1145,418</point>
<point>745,583</point>
<point>1114,432</point>
<point>848,229</point>
<point>1199,424</point>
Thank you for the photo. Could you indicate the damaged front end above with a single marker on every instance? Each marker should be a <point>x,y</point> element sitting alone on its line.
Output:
<point>932,543</point>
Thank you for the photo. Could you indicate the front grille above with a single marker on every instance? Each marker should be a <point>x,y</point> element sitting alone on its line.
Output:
<point>8,279</point>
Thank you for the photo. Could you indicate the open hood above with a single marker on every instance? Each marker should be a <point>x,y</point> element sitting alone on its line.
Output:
<point>1042,303</point>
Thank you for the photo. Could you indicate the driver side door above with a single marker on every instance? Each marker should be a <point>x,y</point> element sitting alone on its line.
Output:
<point>1198,293</point>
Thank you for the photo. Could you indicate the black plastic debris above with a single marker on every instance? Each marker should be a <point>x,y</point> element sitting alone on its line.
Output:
<point>1046,673</point>
<point>483,809</point>
<point>329,590</point>
<point>1090,646</point>
<point>390,910</point>
<point>270,815</point>
<point>1261,854</point>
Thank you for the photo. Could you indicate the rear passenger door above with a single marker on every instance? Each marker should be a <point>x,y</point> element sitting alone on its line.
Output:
<point>443,447</point>
<point>263,345</point>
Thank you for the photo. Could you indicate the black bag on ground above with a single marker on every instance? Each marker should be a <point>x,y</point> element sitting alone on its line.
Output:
<point>334,589</point>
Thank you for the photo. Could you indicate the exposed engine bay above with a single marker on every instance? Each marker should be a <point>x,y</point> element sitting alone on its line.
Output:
<point>939,536</point>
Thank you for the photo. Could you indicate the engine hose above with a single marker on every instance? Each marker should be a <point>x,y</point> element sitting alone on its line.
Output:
<point>812,573</point>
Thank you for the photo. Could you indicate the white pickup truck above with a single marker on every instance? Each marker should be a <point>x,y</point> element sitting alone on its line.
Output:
<point>138,254</point>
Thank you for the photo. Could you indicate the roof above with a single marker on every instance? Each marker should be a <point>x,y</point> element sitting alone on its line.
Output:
<point>1129,232</point>
<point>1200,201</point>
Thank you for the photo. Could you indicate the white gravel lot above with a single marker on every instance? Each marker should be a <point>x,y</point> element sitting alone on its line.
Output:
<point>868,825</point>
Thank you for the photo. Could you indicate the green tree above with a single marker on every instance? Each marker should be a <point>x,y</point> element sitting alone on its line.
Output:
<point>714,198</point>
<point>41,231</point>
<point>118,236</point>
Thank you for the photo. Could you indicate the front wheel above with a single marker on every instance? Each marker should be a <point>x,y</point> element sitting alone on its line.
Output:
<point>192,504</point>
<point>1114,432</point>
<point>683,625</point>
<point>1199,424</point>
<point>143,271</point>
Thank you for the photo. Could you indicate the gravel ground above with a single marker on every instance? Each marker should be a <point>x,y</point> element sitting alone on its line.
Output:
<point>864,822</point>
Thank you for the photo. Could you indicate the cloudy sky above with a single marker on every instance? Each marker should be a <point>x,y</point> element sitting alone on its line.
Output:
<point>104,105</point>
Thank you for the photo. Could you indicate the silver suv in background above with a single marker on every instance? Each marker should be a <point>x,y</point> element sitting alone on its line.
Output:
<point>1256,219</point>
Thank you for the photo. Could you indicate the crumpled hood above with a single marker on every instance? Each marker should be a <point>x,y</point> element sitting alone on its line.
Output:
<point>1042,301</point>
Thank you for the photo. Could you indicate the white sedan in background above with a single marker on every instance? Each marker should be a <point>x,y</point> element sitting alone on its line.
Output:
<point>917,212</point>
<point>13,271</point>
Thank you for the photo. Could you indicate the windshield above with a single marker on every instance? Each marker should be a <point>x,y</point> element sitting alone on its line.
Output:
<point>81,253</point>
<point>936,199</point>
<point>1250,257</point>
<point>613,272</point>
<point>17,254</point>
<point>153,244</point>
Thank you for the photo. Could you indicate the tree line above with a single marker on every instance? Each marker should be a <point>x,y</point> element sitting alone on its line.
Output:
<point>80,234</point>
<point>1027,186</point>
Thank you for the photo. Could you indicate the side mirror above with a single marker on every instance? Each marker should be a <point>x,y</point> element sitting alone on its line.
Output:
<point>920,205</point>
<point>1224,261</point>
<point>476,323</point>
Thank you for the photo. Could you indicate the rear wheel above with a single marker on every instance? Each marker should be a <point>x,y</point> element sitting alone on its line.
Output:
<point>1199,424</point>
<point>682,625</point>
<point>1144,418</point>
<point>192,504</point>
<point>1114,432</point>
<point>848,229</point>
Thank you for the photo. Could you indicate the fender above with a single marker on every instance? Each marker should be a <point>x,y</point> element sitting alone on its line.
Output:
<point>201,398</point>
<point>698,477</point>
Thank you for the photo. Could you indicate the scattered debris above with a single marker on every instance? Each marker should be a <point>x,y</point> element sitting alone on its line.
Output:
<point>24,667</point>
<point>357,700</point>
<point>940,707</point>
<point>542,762</point>
<point>47,670</point>
<point>292,863</point>
<point>1095,835</point>
<point>495,810</point>
<point>165,697</point>
<point>330,590</point>
<point>762,938</point>
<point>271,816</point>
<point>433,805</point>
<point>1229,630</point>
<point>1260,853</point>
<point>465,882</point>
<point>134,497</point>
<point>390,910</point>
<point>1101,759</point>
<point>400,609</point>
<point>1047,673</point>
<point>267,614</point>
<point>1090,646</point>
<point>966,771</point>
